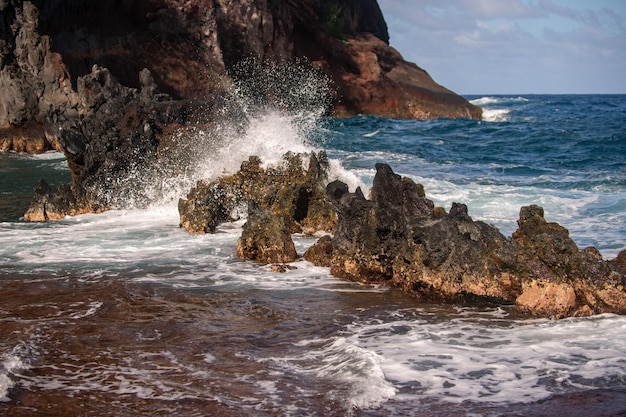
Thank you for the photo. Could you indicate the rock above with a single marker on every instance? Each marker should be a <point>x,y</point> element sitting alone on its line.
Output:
<point>114,142</point>
<point>191,50</point>
<point>51,204</point>
<point>399,238</point>
<point>206,206</point>
<point>375,80</point>
<point>266,238</point>
<point>281,200</point>
<point>321,253</point>
<point>35,84</point>
<point>620,262</point>
<point>289,191</point>
<point>563,279</point>
<point>547,299</point>
<point>28,138</point>
<point>282,268</point>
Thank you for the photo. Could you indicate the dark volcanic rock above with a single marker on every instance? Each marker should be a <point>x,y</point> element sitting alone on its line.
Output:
<point>51,203</point>
<point>399,238</point>
<point>280,201</point>
<point>266,238</point>
<point>191,49</point>
<point>114,143</point>
<point>34,81</point>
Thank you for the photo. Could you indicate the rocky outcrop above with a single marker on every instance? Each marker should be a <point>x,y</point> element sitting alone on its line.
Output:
<point>51,203</point>
<point>115,143</point>
<point>288,190</point>
<point>399,238</point>
<point>280,201</point>
<point>266,238</point>
<point>192,49</point>
<point>372,78</point>
<point>34,81</point>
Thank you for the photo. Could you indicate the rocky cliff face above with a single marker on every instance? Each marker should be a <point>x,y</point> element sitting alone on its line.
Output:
<point>190,48</point>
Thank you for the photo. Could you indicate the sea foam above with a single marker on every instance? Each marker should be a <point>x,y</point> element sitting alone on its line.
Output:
<point>496,115</point>
<point>465,359</point>
<point>10,363</point>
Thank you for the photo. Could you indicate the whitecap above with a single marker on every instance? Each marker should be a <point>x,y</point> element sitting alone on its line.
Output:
<point>496,115</point>
<point>94,306</point>
<point>46,156</point>
<point>355,373</point>
<point>489,100</point>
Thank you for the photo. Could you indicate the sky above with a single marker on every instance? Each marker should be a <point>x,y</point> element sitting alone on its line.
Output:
<point>514,46</point>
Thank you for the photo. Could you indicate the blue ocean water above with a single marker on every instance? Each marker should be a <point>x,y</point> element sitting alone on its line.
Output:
<point>124,313</point>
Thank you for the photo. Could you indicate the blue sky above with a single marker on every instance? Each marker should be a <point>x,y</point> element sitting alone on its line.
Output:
<point>514,46</point>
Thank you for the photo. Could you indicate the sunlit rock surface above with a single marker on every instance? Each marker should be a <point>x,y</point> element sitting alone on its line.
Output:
<point>397,238</point>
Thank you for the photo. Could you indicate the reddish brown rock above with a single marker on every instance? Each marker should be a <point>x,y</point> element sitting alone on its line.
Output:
<point>373,78</point>
<point>191,49</point>
<point>29,138</point>
<point>620,261</point>
<point>266,238</point>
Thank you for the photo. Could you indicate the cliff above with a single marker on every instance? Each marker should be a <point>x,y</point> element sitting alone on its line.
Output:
<point>190,48</point>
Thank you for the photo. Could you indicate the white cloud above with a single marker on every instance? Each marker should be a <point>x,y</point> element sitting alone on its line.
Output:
<point>513,46</point>
<point>495,9</point>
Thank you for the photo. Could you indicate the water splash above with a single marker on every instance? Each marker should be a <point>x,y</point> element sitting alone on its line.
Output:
<point>271,109</point>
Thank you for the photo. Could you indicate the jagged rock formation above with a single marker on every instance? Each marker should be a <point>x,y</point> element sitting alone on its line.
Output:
<point>34,81</point>
<point>115,136</point>
<point>280,201</point>
<point>399,238</point>
<point>288,190</point>
<point>191,49</point>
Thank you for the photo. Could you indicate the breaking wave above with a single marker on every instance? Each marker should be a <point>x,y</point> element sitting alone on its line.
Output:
<point>498,109</point>
<point>271,110</point>
<point>485,101</point>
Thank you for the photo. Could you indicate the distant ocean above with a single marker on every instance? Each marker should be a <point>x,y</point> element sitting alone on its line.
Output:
<point>124,313</point>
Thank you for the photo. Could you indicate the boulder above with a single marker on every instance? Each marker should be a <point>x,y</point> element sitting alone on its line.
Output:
<point>266,238</point>
<point>399,238</point>
<point>288,190</point>
<point>51,203</point>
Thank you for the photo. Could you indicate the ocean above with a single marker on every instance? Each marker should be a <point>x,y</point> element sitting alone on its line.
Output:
<point>124,314</point>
